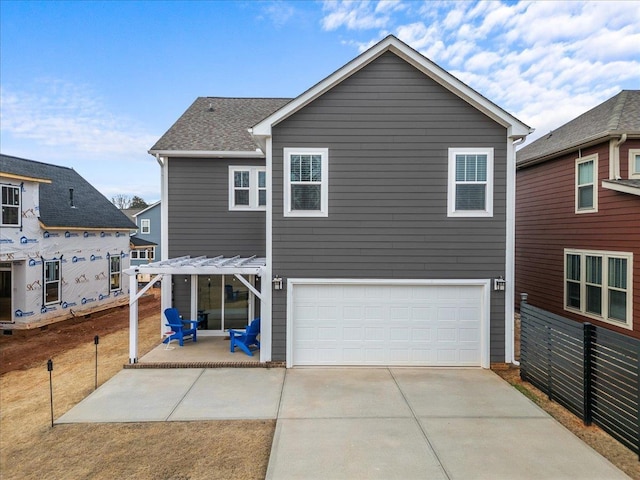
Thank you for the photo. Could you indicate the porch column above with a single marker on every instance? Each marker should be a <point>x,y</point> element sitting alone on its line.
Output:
<point>133,318</point>
<point>165,299</point>
<point>194,297</point>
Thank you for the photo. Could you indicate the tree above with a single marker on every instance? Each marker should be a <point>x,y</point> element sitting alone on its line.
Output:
<point>121,201</point>
<point>137,202</point>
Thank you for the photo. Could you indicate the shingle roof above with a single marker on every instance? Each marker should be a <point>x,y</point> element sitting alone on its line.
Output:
<point>218,124</point>
<point>92,209</point>
<point>618,115</point>
<point>141,242</point>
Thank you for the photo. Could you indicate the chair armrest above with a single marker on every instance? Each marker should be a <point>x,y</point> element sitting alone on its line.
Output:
<point>192,321</point>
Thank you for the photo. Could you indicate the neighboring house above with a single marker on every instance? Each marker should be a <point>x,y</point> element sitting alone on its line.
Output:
<point>146,243</point>
<point>578,217</point>
<point>372,216</point>
<point>63,245</point>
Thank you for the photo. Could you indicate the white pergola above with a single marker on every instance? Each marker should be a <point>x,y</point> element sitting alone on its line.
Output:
<point>220,265</point>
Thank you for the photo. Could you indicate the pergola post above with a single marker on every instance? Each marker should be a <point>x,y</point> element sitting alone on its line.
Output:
<point>133,318</point>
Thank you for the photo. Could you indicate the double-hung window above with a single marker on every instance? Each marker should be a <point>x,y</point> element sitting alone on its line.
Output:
<point>10,206</point>
<point>587,184</point>
<point>306,182</point>
<point>634,163</point>
<point>52,280</point>
<point>145,226</point>
<point>247,188</point>
<point>115,273</point>
<point>598,285</point>
<point>470,182</point>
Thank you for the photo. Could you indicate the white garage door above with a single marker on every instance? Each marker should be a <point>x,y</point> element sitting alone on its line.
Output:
<point>385,324</point>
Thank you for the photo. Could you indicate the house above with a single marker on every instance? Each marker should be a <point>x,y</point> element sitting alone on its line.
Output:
<point>368,221</point>
<point>578,217</point>
<point>146,243</point>
<point>63,245</point>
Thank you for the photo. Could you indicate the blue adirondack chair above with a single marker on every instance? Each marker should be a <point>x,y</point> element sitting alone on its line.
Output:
<point>246,338</point>
<point>180,328</point>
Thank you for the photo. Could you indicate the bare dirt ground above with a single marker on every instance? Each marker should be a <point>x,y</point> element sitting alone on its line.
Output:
<point>31,449</point>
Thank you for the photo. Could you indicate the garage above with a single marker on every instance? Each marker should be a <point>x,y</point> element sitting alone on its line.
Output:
<point>377,322</point>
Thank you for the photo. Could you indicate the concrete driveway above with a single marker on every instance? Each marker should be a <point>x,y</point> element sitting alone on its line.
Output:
<point>369,423</point>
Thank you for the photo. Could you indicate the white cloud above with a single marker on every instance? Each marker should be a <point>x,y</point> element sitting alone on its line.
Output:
<point>279,12</point>
<point>358,14</point>
<point>54,113</point>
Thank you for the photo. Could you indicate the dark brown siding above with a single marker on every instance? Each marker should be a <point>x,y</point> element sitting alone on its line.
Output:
<point>388,128</point>
<point>546,224</point>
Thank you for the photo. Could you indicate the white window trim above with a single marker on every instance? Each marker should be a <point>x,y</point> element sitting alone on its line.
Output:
<point>19,206</point>
<point>58,281</point>
<point>590,158</point>
<point>633,174</point>
<point>451,188</point>
<point>119,273</point>
<point>145,226</point>
<point>605,255</point>
<point>324,184</point>
<point>253,188</point>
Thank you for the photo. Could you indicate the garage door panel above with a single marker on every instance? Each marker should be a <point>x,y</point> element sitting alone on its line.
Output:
<point>347,324</point>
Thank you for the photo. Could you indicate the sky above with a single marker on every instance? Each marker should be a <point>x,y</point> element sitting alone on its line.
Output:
<point>93,85</point>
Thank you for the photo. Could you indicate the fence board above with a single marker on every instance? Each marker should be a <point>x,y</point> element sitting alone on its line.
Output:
<point>555,358</point>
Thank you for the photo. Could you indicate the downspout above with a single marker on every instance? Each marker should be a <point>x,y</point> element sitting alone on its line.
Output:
<point>614,173</point>
<point>511,239</point>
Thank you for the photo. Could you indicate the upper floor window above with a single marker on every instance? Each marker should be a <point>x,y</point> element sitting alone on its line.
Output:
<point>10,205</point>
<point>52,282</point>
<point>598,285</point>
<point>587,184</point>
<point>115,272</point>
<point>143,254</point>
<point>306,182</point>
<point>634,163</point>
<point>470,192</point>
<point>145,226</point>
<point>247,188</point>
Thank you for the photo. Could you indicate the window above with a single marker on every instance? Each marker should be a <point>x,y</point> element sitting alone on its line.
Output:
<point>634,163</point>
<point>598,285</point>
<point>51,282</point>
<point>247,188</point>
<point>587,184</point>
<point>146,254</point>
<point>470,182</point>
<point>145,226</point>
<point>114,273</point>
<point>306,182</point>
<point>10,205</point>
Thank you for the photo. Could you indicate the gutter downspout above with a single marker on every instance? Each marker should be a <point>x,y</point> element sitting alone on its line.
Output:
<point>614,171</point>
<point>511,243</point>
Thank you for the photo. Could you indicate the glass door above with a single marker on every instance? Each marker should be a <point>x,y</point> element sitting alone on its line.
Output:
<point>223,302</point>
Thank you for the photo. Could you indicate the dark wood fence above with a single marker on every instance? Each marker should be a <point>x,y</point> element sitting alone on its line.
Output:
<point>593,372</point>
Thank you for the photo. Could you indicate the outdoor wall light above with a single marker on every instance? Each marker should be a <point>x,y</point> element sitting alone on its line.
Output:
<point>186,279</point>
<point>277,283</point>
<point>499,284</point>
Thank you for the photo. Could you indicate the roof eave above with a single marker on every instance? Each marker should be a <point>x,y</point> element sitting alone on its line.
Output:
<point>516,128</point>
<point>612,185</point>
<point>208,153</point>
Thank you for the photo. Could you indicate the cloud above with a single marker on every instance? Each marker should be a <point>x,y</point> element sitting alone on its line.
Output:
<point>359,14</point>
<point>279,12</point>
<point>54,113</point>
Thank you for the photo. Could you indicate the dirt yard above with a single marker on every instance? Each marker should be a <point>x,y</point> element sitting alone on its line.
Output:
<point>31,449</point>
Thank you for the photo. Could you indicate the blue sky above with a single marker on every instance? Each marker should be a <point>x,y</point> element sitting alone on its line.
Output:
<point>92,85</point>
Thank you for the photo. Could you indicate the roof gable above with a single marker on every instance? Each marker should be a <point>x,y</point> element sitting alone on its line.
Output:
<point>612,118</point>
<point>90,208</point>
<point>516,129</point>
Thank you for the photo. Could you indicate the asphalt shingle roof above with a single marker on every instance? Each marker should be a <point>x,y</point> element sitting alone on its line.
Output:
<point>141,242</point>
<point>92,209</point>
<point>618,115</point>
<point>218,124</point>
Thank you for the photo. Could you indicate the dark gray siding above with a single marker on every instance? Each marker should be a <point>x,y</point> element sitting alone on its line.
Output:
<point>200,222</point>
<point>388,128</point>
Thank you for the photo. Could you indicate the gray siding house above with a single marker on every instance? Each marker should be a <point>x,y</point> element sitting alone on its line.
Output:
<point>146,244</point>
<point>380,203</point>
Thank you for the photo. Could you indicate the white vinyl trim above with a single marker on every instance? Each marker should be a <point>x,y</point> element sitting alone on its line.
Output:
<point>208,153</point>
<point>634,173</point>
<point>579,161</point>
<point>452,183</point>
<point>324,184</point>
<point>266,307</point>
<point>485,308</point>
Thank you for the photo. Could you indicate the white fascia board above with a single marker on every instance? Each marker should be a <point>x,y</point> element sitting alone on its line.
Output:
<point>208,153</point>
<point>148,208</point>
<point>618,187</point>
<point>516,129</point>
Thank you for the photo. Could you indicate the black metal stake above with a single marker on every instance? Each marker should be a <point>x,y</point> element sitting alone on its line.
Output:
<point>96,340</point>
<point>50,369</point>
